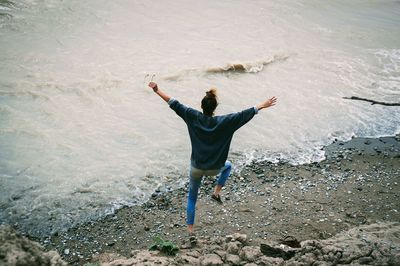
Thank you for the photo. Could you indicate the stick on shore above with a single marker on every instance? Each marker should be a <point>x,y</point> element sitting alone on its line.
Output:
<point>371,101</point>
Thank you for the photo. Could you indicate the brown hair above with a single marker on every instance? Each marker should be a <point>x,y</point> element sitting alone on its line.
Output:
<point>209,102</point>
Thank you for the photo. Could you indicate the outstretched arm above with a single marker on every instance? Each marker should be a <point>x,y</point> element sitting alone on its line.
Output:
<point>183,111</point>
<point>238,119</point>
<point>268,103</point>
<point>160,93</point>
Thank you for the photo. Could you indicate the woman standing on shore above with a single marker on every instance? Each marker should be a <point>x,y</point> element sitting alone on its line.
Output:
<point>210,137</point>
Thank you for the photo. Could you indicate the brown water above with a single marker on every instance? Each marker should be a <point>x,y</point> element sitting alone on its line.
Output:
<point>80,134</point>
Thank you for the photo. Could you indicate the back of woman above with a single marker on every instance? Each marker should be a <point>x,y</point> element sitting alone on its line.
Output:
<point>210,138</point>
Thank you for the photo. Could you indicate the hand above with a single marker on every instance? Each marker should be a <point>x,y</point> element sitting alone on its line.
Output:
<point>268,103</point>
<point>154,86</point>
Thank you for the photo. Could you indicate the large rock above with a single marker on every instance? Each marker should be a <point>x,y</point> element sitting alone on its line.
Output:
<point>109,257</point>
<point>232,259</point>
<point>18,250</point>
<point>240,237</point>
<point>377,244</point>
<point>276,251</point>
<point>233,247</point>
<point>211,260</point>
<point>250,253</point>
<point>141,257</point>
<point>188,260</point>
<point>267,261</point>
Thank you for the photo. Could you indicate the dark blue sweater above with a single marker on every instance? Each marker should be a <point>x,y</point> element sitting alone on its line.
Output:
<point>210,136</point>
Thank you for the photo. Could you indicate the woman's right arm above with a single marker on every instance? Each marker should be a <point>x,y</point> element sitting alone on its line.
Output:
<point>160,93</point>
<point>181,110</point>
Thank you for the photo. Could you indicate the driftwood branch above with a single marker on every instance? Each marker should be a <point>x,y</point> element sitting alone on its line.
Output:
<point>371,101</point>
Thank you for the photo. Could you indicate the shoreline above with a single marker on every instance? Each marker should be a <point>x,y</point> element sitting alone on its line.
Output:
<point>357,184</point>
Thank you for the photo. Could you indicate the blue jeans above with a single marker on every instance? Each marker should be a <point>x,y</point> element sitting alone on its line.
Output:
<point>196,175</point>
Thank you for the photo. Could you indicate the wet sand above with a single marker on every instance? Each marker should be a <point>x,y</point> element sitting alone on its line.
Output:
<point>357,184</point>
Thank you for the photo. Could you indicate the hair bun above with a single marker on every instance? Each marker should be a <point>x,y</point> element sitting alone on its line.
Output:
<point>212,93</point>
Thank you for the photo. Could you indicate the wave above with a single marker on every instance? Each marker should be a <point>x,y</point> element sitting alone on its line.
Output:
<point>5,8</point>
<point>6,4</point>
<point>253,67</point>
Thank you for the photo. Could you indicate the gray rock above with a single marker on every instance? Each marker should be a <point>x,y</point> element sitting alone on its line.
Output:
<point>188,260</point>
<point>193,253</point>
<point>143,257</point>
<point>210,260</point>
<point>365,260</point>
<point>232,259</point>
<point>233,247</point>
<point>395,259</point>
<point>18,250</point>
<point>267,261</point>
<point>221,254</point>
<point>212,248</point>
<point>376,243</point>
<point>109,257</point>
<point>240,237</point>
<point>228,238</point>
<point>274,251</point>
<point>250,253</point>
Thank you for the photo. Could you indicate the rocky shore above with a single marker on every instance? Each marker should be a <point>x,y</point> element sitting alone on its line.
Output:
<point>376,244</point>
<point>356,186</point>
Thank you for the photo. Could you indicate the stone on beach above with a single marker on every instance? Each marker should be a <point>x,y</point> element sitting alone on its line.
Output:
<point>211,260</point>
<point>18,250</point>
<point>377,243</point>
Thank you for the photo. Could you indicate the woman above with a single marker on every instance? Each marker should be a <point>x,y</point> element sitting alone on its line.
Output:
<point>210,137</point>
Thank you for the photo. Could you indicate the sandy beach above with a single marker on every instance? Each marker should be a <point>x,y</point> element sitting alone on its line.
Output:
<point>357,184</point>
